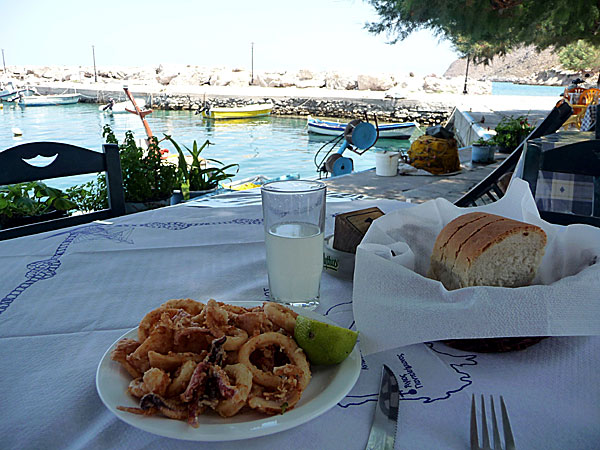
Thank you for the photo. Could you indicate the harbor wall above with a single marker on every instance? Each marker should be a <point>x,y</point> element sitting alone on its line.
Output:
<point>386,109</point>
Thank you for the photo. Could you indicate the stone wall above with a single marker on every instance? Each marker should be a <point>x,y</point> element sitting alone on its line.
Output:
<point>386,110</point>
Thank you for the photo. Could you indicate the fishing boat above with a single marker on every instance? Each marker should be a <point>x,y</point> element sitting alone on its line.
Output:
<point>8,92</point>
<point>391,130</point>
<point>121,107</point>
<point>240,112</point>
<point>48,100</point>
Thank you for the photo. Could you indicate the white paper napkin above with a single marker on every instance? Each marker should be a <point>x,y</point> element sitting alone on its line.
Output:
<point>395,304</point>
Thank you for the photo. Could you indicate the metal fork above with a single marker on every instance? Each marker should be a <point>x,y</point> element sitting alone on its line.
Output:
<point>508,436</point>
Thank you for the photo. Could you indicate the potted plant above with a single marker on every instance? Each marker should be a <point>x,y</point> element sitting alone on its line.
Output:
<point>194,175</point>
<point>148,180</point>
<point>483,151</point>
<point>32,202</point>
<point>511,131</point>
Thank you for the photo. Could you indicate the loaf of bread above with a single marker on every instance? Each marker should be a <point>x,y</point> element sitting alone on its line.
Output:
<point>482,249</point>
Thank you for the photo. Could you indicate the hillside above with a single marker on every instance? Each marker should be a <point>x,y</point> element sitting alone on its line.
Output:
<point>524,65</point>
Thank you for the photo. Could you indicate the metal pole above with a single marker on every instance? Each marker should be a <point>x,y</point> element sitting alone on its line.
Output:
<point>94,57</point>
<point>252,62</point>
<point>3,63</point>
<point>466,75</point>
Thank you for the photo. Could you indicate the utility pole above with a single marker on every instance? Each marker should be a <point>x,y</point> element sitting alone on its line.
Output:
<point>252,61</point>
<point>94,57</point>
<point>466,75</point>
<point>3,63</point>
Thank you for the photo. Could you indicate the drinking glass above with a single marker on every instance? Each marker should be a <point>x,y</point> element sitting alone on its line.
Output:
<point>294,218</point>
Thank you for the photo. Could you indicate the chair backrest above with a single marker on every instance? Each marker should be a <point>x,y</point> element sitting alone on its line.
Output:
<point>565,181</point>
<point>589,96</point>
<point>488,188</point>
<point>68,160</point>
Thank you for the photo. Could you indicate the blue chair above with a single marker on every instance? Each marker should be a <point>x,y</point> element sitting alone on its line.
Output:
<point>68,160</point>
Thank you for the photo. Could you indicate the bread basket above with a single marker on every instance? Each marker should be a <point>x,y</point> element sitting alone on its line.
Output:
<point>493,345</point>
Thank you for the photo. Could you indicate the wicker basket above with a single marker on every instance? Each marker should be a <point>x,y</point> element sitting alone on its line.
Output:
<point>493,345</point>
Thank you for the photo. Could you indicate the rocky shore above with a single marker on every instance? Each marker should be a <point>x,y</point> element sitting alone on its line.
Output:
<point>391,97</point>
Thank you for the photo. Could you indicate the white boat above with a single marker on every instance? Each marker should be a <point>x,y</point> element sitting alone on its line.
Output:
<point>48,100</point>
<point>391,130</point>
<point>121,107</point>
<point>9,92</point>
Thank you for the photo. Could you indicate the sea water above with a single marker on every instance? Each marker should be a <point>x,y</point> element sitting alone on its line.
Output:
<point>270,146</point>
<point>294,262</point>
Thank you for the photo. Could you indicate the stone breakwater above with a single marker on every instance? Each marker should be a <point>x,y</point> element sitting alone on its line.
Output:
<point>386,110</point>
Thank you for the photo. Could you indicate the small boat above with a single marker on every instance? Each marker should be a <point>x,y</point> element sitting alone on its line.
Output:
<point>9,92</point>
<point>121,107</point>
<point>241,112</point>
<point>391,130</point>
<point>48,100</point>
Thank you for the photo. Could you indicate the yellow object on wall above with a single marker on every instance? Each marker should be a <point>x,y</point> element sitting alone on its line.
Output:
<point>434,155</point>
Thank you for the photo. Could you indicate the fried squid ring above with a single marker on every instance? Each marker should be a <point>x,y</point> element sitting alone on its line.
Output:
<point>236,337</point>
<point>291,349</point>
<point>187,304</point>
<point>243,383</point>
<point>281,316</point>
<point>151,319</point>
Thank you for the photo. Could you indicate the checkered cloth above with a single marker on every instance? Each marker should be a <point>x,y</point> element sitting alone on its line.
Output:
<point>565,193</point>
<point>589,119</point>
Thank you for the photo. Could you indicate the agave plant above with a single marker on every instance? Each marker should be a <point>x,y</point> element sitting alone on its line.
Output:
<point>196,174</point>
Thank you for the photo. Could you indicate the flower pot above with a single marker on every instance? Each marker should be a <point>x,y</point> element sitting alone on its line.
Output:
<point>482,154</point>
<point>386,163</point>
<point>133,207</point>
<point>177,196</point>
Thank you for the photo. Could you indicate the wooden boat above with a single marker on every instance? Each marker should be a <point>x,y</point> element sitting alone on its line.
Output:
<point>9,92</point>
<point>392,130</point>
<point>241,112</point>
<point>48,100</point>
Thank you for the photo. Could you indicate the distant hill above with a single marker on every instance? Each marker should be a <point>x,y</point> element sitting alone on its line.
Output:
<point>524,65</point>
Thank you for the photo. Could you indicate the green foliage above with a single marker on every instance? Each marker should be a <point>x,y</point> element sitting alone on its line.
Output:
<point>196,175</point>
<point>511,131</point>
<point>484,142</point>
<point>32,199</point>
<point>580,56</point>
<point>495,25</point>
<point>90,196</point>
<point>146,176</point>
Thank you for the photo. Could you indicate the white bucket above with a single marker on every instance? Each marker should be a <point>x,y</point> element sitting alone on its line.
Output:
<point>386,163</point>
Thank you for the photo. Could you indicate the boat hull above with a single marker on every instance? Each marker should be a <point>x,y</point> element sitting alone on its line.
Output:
<point>49,100</point>
<point>387,131</point>
<point>244,112</point>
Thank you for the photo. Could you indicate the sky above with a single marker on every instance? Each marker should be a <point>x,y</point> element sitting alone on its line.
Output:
<point>287,35</point>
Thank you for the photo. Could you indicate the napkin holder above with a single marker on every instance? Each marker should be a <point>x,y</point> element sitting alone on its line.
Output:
<point>339,251</point>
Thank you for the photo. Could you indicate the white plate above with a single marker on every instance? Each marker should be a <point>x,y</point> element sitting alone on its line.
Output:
<point>328,385</point>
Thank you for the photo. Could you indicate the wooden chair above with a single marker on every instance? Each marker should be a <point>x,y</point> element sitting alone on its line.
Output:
<point>488,190</point>
<point>565,182</point>
<point>69,160</point>
<point>586,98</point>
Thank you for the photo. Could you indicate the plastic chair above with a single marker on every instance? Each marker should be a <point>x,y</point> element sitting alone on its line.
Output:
<point>565,181</point>
<point>68,160</point>
<point>489,190</point>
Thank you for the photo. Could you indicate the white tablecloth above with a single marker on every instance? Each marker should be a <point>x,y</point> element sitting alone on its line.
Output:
<point>66,296</point>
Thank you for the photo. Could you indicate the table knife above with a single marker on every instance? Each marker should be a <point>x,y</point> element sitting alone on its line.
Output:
<point>383,430</point>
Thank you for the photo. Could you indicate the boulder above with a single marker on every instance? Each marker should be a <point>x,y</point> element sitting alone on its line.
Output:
<point>375,82</point>
<point>230,78</point>
<point>335,80</point>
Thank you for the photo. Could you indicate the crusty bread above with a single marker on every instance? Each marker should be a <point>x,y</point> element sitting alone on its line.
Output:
<point>482,249</point>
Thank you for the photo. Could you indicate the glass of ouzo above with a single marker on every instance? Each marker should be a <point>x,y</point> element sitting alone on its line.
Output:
<point>294,219</point>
